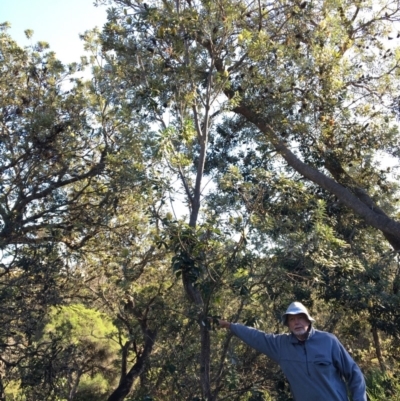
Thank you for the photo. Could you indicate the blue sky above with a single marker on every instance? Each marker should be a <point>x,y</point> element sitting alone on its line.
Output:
<point>58,22</point>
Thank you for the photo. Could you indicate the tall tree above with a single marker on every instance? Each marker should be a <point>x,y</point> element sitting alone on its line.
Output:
<point>320,75</point>
<point>57,144</point>
<point>315,83</point>
<point>140,67</point>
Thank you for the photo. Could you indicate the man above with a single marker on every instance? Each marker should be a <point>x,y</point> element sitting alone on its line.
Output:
<point>315,362</point>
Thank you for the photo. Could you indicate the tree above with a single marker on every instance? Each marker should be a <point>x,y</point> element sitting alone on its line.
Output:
<point>289,78</point>
<point>315,96</point>
<point>58,189</point>
<point>321,100</point>
<point>76,342</point>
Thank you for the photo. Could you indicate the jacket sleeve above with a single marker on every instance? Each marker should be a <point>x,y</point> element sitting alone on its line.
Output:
<point>268,344</point>
<point>350,371</point>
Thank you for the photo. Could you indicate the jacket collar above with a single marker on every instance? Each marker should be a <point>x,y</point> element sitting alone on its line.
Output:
<point>295,340</point>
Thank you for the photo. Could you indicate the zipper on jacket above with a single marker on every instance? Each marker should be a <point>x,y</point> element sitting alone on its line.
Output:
<point>305,352</point>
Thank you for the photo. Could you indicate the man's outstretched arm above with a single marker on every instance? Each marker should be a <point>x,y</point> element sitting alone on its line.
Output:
<point>267,344</point>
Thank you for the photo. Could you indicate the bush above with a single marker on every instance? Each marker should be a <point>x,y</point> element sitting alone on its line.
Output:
<point>382,386</point>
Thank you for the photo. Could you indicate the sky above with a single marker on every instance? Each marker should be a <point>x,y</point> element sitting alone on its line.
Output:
<point>57,22</point>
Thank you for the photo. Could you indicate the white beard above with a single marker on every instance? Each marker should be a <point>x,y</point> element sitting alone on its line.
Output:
<point>299,332</point>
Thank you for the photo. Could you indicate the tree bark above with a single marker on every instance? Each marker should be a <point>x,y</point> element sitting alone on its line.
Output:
<point>191,291</point>
<point>127,381</point>
<point>378,350</point>
<point>2,393</point>
<point>205,362</point>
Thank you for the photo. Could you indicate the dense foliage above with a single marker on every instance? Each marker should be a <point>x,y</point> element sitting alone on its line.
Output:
<point>224,159</point>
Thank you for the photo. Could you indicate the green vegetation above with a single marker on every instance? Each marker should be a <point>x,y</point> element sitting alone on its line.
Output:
<point>225,159</point>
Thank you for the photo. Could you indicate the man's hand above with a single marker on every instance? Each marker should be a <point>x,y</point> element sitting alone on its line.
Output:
<point>224,324</point>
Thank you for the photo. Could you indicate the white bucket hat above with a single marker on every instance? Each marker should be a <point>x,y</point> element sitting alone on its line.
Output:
<point>294,309</point>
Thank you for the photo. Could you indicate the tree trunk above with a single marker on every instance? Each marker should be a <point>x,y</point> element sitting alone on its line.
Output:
<point>378,350</point>
<point>192,292</point>
<point>73,384</point>
<point>127,381</point>
<point>205,362</point>
<point>2,393</point>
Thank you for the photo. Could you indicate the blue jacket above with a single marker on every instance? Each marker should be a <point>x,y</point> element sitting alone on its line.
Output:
<point>316,369</point>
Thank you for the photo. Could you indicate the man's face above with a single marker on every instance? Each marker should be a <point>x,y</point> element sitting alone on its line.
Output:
<point>298,324</point>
